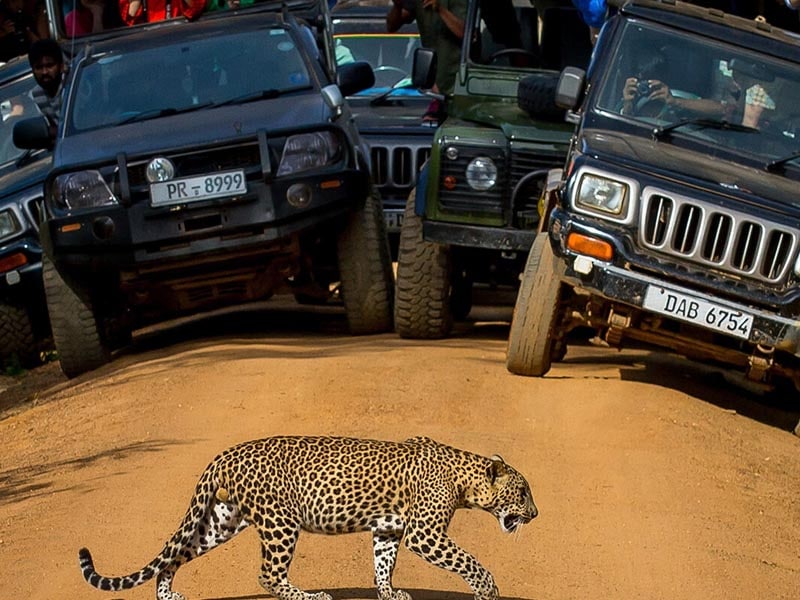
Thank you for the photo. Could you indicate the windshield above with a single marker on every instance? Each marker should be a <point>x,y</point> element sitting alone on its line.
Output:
<point>720,95</point>
<point>522,34</point>
<point>390,55</point>
<point>16,103</point>
<point>121,86</point>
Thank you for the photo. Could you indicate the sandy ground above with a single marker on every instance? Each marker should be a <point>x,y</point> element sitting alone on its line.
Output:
<point>655,478</point>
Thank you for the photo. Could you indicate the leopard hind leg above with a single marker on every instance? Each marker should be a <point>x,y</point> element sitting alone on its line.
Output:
<point>387,534</point>
<point>222,521</point>
<point>279,534</point>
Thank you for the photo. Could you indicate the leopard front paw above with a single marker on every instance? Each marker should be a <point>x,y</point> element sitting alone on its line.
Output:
<point>490,593</point>
<point>400,595</point>
<point>319,596</point>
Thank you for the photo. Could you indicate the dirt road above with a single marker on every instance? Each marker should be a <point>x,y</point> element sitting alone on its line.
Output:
<point>654,478</point>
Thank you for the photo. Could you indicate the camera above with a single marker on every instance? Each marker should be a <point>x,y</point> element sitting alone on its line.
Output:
<point>643,87</point>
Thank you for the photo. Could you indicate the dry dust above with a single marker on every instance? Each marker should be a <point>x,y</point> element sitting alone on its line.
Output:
<point>655,478</point>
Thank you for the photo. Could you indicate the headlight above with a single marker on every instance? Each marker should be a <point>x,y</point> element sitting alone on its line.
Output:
<point>85,189</point>
<point>600,194</point>
<point>9,224</point>
<point>309,151</point>
<point>481,173</point>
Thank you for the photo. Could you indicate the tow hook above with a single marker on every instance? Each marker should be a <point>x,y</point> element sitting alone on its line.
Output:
<point>617,324</point>
<point>760,362</point>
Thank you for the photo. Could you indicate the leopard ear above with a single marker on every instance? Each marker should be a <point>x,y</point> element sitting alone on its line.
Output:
<point>496,469</point>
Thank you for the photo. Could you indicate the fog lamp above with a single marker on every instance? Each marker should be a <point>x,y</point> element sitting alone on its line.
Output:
<point>299,195</point>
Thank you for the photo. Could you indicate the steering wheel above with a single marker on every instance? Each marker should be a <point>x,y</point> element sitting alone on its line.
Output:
<point>387,70</point>
<point>514,52</point>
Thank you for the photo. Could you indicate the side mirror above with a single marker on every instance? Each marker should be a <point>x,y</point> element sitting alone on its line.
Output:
<point>569,90</point>
<point>354,77</point>
<point>423,76</point>
<point>32,134</point>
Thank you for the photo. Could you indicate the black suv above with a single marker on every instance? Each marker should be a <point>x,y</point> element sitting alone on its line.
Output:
<point>24,326</point>
<point>208,163</point>
<point>675,221</point>
<point>389,114</point>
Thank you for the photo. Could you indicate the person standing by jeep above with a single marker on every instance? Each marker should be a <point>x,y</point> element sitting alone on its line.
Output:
<point>441,28</point>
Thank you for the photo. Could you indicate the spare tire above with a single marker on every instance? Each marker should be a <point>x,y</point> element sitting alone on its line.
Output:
<point>536,95</point>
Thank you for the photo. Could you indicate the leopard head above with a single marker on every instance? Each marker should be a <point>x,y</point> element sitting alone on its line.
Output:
<point>504,493</point>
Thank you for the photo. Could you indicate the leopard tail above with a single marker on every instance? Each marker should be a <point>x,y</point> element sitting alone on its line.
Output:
<point>204,496</point>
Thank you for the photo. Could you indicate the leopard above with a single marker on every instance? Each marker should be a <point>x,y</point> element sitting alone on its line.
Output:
<point>402,492</point>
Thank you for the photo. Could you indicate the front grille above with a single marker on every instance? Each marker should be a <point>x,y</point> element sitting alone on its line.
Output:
<point>727,240</point>
<point>33,208</point>
<point>397,166</point>
<point>524,162</point>
<point>187,164</point>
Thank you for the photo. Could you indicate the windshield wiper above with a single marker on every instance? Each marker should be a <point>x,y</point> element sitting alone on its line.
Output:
<point>778,163</point>
<point>162,112</point>
<point>252,97</point>
<point>662,131</point>
<point>380,99</point>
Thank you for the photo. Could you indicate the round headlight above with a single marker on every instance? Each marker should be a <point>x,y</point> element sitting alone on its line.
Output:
<point>481,173</point>
<point>160,169</point>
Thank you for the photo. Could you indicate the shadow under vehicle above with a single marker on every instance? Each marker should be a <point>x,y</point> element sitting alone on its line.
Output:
<point>24,324</point>
<point>675,220</point>
<point>473,214</point>
<point>207,163</point>
<point>389,114</point>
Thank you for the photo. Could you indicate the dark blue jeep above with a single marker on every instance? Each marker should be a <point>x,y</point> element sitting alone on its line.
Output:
<point>24,326</point>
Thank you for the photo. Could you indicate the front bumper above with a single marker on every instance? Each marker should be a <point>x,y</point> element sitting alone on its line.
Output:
<point>126,237</point>
<point>621,285</point>
<point>476,236</point>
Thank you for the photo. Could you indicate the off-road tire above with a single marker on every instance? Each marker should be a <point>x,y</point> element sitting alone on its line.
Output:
<point>530,339</point>
<point>365,268</point>
<point>536,95</point>
<point>17,342</point>
<point>76,334</point>
<point>422,307</point>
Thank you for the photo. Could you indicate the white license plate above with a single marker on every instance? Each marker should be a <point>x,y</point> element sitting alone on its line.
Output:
<point>393,218</point>
<point>699,312</point>
<point>193,189</point>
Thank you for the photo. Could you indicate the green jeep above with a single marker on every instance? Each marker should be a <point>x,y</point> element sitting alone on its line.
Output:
<point>473,215</point>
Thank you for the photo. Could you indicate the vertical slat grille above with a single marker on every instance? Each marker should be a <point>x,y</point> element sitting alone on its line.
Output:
<point>718,232</point>
<point>688,227</point>
<point>657,219</point>
<point>727,240</point>
<point>380,165</point>
<point>397,166</point>
<point>745,251</point>
<point>403,166</point>
<point>777,254</point>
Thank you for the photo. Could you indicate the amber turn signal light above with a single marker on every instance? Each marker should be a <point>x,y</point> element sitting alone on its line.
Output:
<point>583,244</point>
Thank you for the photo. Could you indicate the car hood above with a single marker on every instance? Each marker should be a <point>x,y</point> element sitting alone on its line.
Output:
<point>404,116</point>
<point>515,123</point>
<point>31,174</point>
<point>661,158</point>
<point>192,129</point>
